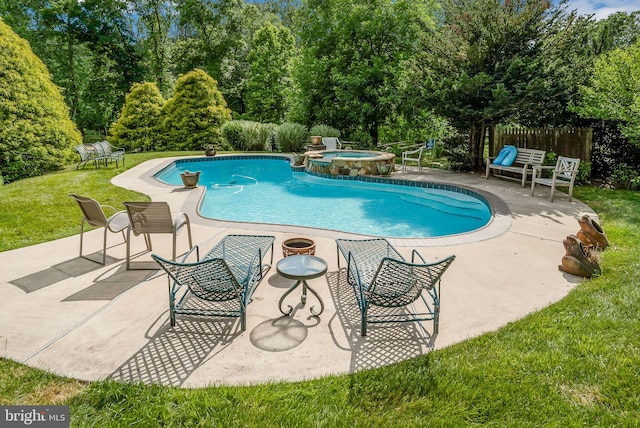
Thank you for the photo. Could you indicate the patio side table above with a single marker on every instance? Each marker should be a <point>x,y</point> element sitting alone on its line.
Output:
<point>301,268</point>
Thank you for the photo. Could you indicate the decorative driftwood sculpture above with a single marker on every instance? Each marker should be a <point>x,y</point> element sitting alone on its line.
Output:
<point>591,234</point>
<point>578,259</point>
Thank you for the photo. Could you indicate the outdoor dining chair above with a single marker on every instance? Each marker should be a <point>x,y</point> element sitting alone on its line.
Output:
<point>147,218</point>
<point>331,143</point>
<point>413,156</point>
<point>562,174</point>
<point>382,278</point>
<point>93,213</point>
<point>222,283</point>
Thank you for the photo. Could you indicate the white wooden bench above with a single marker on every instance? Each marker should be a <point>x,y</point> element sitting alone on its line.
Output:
<point>522,165</point>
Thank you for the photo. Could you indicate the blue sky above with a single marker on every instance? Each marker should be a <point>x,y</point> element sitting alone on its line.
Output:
<point>602,9</point>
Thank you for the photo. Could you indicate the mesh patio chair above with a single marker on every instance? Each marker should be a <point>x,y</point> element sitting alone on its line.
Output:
<point>93,213</point>
<point>147,218</point>
<point>381,277</point>
<point>108,153</point>
<point>223,282</point>
<point>87,156</point>
<point>563,174</point>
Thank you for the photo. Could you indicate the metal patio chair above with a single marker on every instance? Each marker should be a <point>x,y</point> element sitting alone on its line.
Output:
<point>220,284</point>
<point>87,156</point>
<point>108,153</point>
<point>93,213</point>
<point>147,218</point>
<point>381,277</point>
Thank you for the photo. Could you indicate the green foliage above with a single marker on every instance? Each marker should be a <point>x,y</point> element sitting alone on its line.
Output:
<point>324,131</point>
<point>492,61</point>
<point>350,70</point>
<point>291,137</point>
<point>138,127</point>
<point>193,117</point>
<point>613,91</point>
<point>36,134</point>
<point>625,177</point>
<point>268,80</point>
<point>233,136</point>
<point>245,135</point>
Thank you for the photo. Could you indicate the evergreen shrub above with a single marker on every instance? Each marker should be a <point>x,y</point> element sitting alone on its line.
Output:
<point>36,133</point>
<point>138,127</point>
<point>192,119</point>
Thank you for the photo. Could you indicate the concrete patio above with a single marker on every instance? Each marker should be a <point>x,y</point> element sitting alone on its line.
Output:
<point>74,317</point>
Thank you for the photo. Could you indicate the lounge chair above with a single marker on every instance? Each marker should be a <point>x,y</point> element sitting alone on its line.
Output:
<point>381,277</point>
<point>154,217</point>
<point>223,282</point>
<point>108,153</point>
<point>93,214</point>
<point>563,174</point>
<point>331,143</point>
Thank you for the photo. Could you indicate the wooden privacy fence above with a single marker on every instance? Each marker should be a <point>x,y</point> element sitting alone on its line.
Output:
<point>566,141</point>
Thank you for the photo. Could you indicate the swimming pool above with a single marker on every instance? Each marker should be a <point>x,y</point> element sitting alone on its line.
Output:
<point>266,190</point>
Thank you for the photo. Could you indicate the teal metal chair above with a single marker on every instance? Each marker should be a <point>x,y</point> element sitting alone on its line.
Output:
<point>381,277</point>
<point>222,283</point>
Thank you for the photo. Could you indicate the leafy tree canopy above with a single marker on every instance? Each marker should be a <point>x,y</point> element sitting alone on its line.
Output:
<point>268,80</point>
<point>491,61</point>
<point>352,55</point>
<point>613,91</point>
<point>36,133</point>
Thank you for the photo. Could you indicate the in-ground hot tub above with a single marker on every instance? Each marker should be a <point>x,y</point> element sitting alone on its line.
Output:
<point>350,162</point>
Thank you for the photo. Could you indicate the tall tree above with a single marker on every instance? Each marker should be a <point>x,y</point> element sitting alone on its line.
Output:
<point>268,80</point>
<point>88,47</point>
<point>352,54</point>
<point>492,60</point>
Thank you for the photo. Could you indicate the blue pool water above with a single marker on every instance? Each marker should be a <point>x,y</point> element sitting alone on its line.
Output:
<point>268,191</point>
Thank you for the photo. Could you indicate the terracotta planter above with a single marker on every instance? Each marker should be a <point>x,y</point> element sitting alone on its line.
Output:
<point>298,246</point>
<point>190,179</point>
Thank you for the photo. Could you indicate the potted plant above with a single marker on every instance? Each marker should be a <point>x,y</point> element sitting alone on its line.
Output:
<point>190,179</point>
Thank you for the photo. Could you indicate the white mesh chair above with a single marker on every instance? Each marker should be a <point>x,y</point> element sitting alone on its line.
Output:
<point>93,213</point>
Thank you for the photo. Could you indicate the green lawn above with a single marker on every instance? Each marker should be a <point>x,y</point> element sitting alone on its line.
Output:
<point>575,363</point>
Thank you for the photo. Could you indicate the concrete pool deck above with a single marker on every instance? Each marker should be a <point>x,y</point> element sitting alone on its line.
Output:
<point>77,318</point>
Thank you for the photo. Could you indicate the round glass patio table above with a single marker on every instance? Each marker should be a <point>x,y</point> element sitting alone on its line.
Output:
<point>301,268</point>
